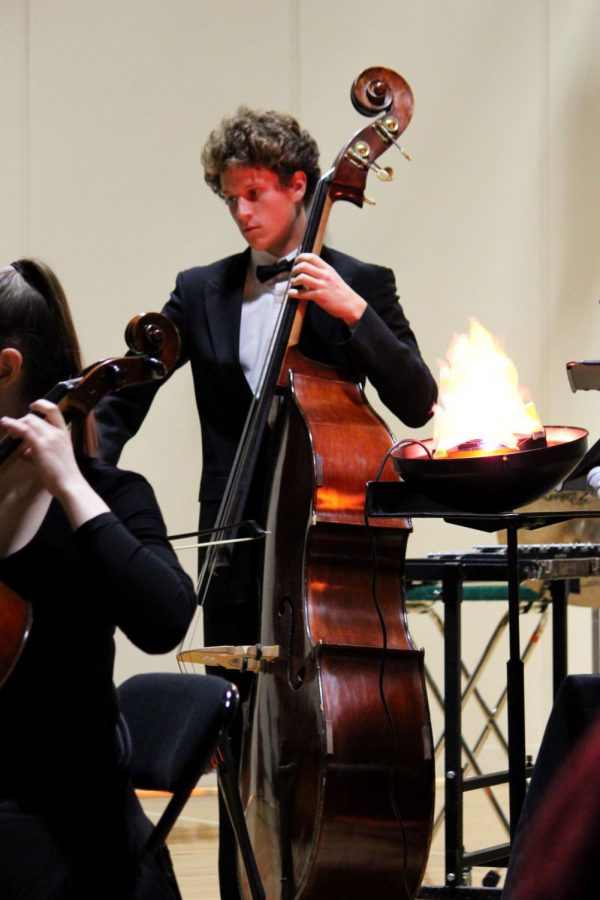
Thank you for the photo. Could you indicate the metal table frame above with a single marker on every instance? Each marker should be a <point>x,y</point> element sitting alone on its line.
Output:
<point>538,608</point>
<point>389,499</point>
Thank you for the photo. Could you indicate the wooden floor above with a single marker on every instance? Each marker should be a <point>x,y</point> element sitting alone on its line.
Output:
<point>193,842</point>
<point>193,845</point>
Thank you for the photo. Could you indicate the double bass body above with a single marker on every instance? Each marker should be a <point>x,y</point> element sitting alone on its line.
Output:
<point>337,773</point>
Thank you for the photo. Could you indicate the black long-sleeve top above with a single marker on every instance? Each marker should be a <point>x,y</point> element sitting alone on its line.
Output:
<point>57,710</point>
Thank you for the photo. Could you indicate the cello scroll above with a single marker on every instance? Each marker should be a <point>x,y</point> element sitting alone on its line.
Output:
<point>153,342</point>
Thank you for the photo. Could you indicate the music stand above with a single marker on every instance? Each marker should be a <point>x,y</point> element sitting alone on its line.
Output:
<point>584,375</point>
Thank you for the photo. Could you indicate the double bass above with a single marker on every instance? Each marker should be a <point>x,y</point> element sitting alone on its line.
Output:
<point>337,771</point>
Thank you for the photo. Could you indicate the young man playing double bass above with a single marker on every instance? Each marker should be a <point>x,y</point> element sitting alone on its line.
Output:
<point>265,168</point>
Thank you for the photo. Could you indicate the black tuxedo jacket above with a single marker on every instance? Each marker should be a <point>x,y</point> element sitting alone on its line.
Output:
<point>206,308</point>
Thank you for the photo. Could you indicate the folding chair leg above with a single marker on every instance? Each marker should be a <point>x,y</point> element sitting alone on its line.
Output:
<point>228,782</point>
<point>163,858</point>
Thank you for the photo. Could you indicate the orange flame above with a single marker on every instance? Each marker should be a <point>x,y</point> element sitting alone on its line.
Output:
<point>479,396</point>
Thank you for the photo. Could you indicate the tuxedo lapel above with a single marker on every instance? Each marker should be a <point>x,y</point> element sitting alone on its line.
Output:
<point>224,309</point>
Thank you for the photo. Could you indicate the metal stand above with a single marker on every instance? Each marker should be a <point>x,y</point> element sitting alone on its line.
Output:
<point>394,499</point>
<point>471,677</point>
<point>516,688</point>
<point>596,641</point>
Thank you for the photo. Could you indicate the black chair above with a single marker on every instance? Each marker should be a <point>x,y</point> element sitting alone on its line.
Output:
<point>176,724</point>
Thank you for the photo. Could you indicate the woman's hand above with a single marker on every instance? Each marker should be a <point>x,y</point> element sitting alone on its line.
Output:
<point>320,283</point>
<point>46,444</point>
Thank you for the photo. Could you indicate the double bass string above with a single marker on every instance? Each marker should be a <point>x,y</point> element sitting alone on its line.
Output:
<point>240,477</point>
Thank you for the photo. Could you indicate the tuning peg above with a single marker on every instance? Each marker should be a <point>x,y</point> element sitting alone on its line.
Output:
<point>384,173</point>
<point>389,129</point>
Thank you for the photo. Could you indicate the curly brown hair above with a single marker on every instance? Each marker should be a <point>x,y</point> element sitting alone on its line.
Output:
<point>264,139</point>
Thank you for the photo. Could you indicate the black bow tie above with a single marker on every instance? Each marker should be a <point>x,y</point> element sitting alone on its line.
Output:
<point>264,273</point>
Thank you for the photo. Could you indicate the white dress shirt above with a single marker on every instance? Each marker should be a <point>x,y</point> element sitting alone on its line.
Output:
<point>260,310</point>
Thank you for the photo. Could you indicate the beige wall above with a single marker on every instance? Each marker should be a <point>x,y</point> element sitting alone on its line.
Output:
<point>105,104</point>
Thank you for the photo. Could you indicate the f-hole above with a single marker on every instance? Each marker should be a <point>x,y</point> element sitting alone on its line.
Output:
<point>285,611</point>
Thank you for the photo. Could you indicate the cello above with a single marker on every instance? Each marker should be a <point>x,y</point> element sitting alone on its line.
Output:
<point>337,767</point>
<point>153,343</point>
